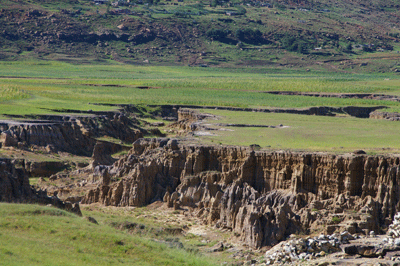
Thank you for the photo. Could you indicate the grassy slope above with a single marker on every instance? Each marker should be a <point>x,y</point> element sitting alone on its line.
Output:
<point>36,235</point>
<point>185,26</point>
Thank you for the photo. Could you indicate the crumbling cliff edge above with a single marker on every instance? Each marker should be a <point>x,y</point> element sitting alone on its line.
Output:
<point>261,196</point>
<point>14,187</point>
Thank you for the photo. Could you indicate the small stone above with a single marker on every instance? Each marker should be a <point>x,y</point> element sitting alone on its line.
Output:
<point>91,219</point>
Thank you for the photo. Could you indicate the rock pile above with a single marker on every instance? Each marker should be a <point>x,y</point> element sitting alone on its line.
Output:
<point>299,249</point>
<point>393,234</point>
<point>378,246</point>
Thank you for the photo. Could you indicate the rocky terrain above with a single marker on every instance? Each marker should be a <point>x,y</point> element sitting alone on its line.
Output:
<point>247,192</point>
<point>306,206</point>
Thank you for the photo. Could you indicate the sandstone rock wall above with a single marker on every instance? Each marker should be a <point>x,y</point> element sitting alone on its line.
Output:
<point>261,196</point>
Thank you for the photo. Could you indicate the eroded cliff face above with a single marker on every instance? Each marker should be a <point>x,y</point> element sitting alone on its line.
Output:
<point>261,196</point>
<point>14,184</point>
<point>14,187</point>
<point>72,134</point>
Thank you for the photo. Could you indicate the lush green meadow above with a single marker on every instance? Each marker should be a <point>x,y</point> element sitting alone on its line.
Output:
<point>39,86</point>
<point>37,235</point>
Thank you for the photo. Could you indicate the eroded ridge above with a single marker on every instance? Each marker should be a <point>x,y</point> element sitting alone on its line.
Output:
<point>75,134</point>
<point>261,196</point>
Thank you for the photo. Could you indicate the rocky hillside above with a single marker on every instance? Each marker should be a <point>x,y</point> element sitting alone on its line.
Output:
<point>270,33</point>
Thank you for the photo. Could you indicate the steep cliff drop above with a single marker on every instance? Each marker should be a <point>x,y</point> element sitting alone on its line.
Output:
<point>14,187</point>
<point>263,197</point>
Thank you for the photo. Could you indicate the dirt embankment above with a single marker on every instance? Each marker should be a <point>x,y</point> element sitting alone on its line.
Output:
<point>73,134</point>
<point>62,135</point>
<point>356,111</point>
<point>370,96</point>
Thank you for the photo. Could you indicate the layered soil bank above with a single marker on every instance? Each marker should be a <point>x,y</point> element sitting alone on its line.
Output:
<point>355,111</point>
<point>369,96</point>
<point>263,197</point>
<point>72,134</point>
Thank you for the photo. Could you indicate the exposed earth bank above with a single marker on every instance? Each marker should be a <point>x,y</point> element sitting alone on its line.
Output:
<point>262,196</point>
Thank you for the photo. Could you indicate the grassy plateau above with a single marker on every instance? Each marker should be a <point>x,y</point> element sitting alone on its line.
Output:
<point>43,87</point>
<point>36,87</point>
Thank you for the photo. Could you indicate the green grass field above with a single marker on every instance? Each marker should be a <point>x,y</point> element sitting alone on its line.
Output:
<point>307,133</point>
<point>36,87</point>
<point>37,235</point>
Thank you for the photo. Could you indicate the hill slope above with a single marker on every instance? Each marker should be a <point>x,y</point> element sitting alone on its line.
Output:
<point>338,35</point>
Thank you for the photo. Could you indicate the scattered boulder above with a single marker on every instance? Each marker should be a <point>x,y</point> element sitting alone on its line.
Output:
<point>217,247</point>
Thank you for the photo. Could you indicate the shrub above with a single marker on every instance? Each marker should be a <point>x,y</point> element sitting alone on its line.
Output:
<point>368,49</point>
<point>241,10</point>
<point>349,47</point>
<point>216,34</point>
<point>336,219</point>
<point>249,36</point>
<point>294,44</point>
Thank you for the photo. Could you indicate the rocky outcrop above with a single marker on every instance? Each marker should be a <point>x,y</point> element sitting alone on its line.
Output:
<point>190,120</point>
<point>385,115</point>
<point>261,196</point>
<point>102,153</point>
<point>378,246</point>
<point>14,187</point>
<point>44,168</point>
<point>56,136</point>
